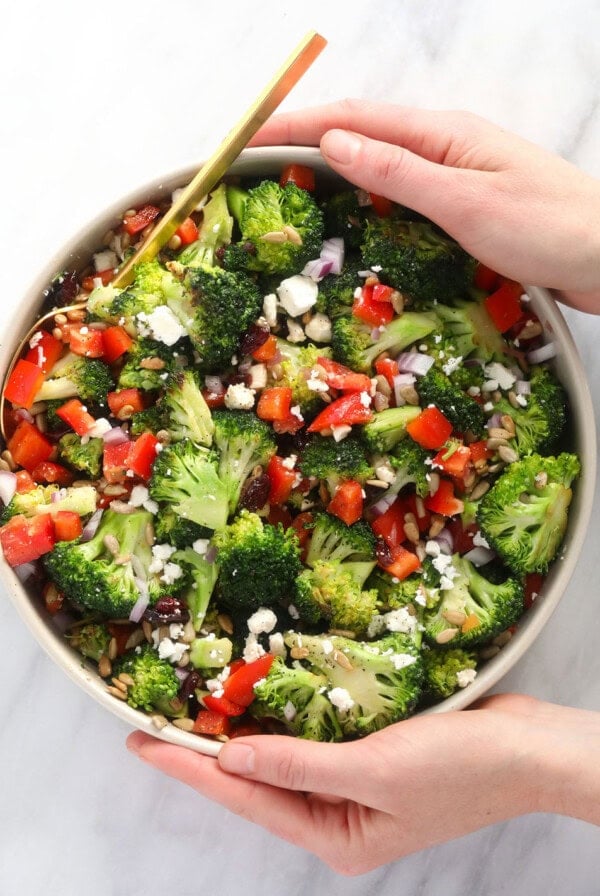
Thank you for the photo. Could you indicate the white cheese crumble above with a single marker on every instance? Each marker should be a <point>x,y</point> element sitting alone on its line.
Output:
<point>252,649</point>
<point>295,331</point>
<point>402,660</point>
<point>340,432</point>
<point>341,699</point>
<point>297,294</point>
<point>258,376</point>
<point>239,397</point>
<point>365,399</point>
<point>479,541</point>
<point>264,620</point>
<point>400,620</point>
<point>161,324</point>
<point>270,309</point>
<point>466,677</point>
<point>171,572</point>
<point>319,328</point>
<point>451,365</point>
<point>201,545</point>
<point>100,426</point>
<point>277,644</point>
<point>498,372</point>
<point>160,555</point>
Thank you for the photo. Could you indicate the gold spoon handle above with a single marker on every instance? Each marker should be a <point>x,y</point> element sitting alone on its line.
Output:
<point>213,170</point>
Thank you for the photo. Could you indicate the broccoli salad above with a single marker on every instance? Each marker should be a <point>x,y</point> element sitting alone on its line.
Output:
<point>304,475</point>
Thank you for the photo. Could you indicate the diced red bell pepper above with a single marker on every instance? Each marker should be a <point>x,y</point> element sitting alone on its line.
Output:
<point>300,175</point>
<point>89,283</point>
<point>344,411</point>
<point>46,351</point>
<point>136,223</point>
<point>281,480</point>
<point>28,446</point>
<point>48,471</point>
<point>25,539</point>
<point>485,278</point>
<point>444,501</point>
<point>211,723</point>
<point>302,527</point>
<point>278,513</point>
<point>290,424</point>
<point>453,460</point>
<point>24,481</point>
<point>266,351</point>
<point>67,525</point>
<point>382,206</point>
<point>114,461</point>
<point>132,398</point>
<point>24,383</point>
<point>462,538</point>
<point>344,379</point>
<point>223,705</point>
<point>404,563</point>
<point>377,314</point>
<point>347,502</point>
<point>75,414</point>
<point>187,232</point>
<point>380,292</point>
<point>431,429</point>
<point>239,686</point>
<point>388,368</point>
<point>86,341</point>
<point>504,305</point>
<point>480,452</point>
<point>214,399</point>
<point>121,632</point>
<point>116,341</point>
<point>274,403</point>
<point>142,455</point>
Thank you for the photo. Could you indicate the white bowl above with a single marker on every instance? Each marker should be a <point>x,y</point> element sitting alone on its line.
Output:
<point>268,161</point>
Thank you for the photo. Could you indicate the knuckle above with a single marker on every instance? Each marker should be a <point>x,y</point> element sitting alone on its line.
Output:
<point>391,165</point>
<point>290,771</point>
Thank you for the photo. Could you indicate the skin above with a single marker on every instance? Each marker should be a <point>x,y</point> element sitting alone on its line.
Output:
<point>362,804</point>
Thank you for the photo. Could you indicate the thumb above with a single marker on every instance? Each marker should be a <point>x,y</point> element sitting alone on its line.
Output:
<point>436,191</point>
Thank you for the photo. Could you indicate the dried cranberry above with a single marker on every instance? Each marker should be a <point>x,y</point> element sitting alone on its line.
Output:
<point>383,552</point>
<point>189,685</point>
<point>255,493</point>
<point>253,338</point>
<point>63,289</point>
<point>167,609</point>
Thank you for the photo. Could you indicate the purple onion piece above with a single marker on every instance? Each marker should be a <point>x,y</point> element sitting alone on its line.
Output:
<point>8,486</point>
<point>414,362</point>
<point>91,527</point>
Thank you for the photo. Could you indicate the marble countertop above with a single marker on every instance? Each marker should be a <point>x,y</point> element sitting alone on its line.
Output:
<point>100,97</point>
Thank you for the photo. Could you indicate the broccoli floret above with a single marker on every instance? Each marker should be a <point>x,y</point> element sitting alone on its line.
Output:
<point>333,541</point>
<point>155,683</point>
<point>394,594</point>
<point>74,376</point>
<point>85,458</point>
<point>465,414</point>
<point>152,419</point>
<point>209,652</point>
<point>90,640</point>
<point>223,305</point>
<point>215,231</point>
<point>185,478</point>
<point>524,514</point>
<point>51,499</point>
<point>540,423</point>
<point>488,607</point>
<point>345,217</point>
<point>357,345</point>
<point>382,678</point>
<point>417,259</point>
<point>409,464</point>
<point>329,593</point>
<point>153,285</point>
<point>468,376</point>
<point>170,528</point>
<point>324,458</point>
<point>388,427</point>
<point>466,330</point>
<point>108,581</point>
<point>336,291</point>
<point>442,670</point>
<point>259,563</point>
<point>243,442</point>
<point>147,364</point>
<point>54,423</point>
<point>296,697</point>
<point>270,208</point>
<point>203,577</point>
<point>295,367</point>
<point>185,410</point>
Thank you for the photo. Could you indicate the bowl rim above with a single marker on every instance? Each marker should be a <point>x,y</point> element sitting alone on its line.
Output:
<point>262,161</point>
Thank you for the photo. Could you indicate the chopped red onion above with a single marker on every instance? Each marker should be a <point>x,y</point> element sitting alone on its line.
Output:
<point>58,496</point>
<point>181,674</point>
<point>523,387</point>
<point>139,607</point>
<point>541,354</point>
<point>414,362</point>
<point>494,422</point>
<point>8,486</point>
<point>376,333</point>
<point>399,381</point>
<point>24,571</point>
<point>91,527</point>
<point>332,251</point>
<point>276,359</point>
<point>317,268</point>
<point>445,541</point>
<point>382,505</point>
<point>115,436</point>
<point>23,414</point>
<point>479,555</point>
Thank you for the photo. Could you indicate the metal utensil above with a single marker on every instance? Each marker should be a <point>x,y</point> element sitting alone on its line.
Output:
<point>207,177</point>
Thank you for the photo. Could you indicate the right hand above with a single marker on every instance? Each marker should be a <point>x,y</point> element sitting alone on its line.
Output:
<point>519,209</point>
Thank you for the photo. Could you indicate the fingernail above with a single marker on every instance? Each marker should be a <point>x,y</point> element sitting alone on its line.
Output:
<point>341,146</point>
<point>237,758</point>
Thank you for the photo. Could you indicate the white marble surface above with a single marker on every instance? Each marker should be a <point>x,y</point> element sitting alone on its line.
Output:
<point>99,97</point>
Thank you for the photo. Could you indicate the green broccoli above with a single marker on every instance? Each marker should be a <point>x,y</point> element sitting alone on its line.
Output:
<point>209,652</point>
<point>387,428</point>
<point>297,698</point>
<point>85,458</point>
<point>294,372</point>
<point>90,640</point>
<point>170,528</point>
<point>108,573</point>
<point>155,683</point>
<point>215,232</point>
<point>203,577</point>
<point>524,514</point>
<point>74,376</point>
<point>345,217</point>
<point>290,211</point>
<point>147,365</point>
<point>332,540</point>
<point>336,291</point>
<point>471,608</point>
<point>409,462</point>
<point>153,285</point>
<point>329,593</point>
<point>152,419</point>
<point>443,670</point>
<point>243,442</point>
<point>259,564</point>
<point>465,414</point>
<point>416,258</point>
<point>51,499</point>
<point>357,345</point>
<point>465,330</point>
<point>54,423</point>
<point>374,683</point>
<point>394,594</point>
<point>540,423</point>
<point>185,411</point>
<point>324,458</point>
<point>185,478</point>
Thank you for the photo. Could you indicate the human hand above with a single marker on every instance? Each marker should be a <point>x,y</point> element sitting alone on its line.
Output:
<point>417,783</point>
<point>522,211</point>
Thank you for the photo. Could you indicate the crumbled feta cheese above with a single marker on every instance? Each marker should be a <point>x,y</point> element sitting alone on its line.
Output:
<point>171,650</point>
<point>35,339</point>
<point>385,472</point>
<point>421,597</point>
<point>340,432</point>
<point>105,261</point>
<point>162,325</point>
<point>139,494</point>
<point>466,677</point>
<point>490,386</point>
<point>289,462</point>
<point>451,365</point>
<point>319,328</point>
<point>400,620</point>
<point>258,376</point>
<point>365,399</point>
<point>160,555</point>
<point>295,331</point>
<point>376,626</point>
<point>264,620</point>
<point>500,373</point>
<point>297,294</point>
<point>341,699</point>
<point>293,612</point>
<point>326,646</point>
<point>171,572</point>
<point>432,548</point>
<point>252,649</point>
<point>297,413</point>
<point>402,660</point>
<point>521,400</point>
<point>277,644</point>
<point>315,383</point>
<point>270,309</point>
<point>479,540</point>
<point>239,397</point>
<point>201,545</point>
<point>473,391</point>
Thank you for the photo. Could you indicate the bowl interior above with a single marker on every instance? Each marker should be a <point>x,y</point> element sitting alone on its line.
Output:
<point>267,161</point>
